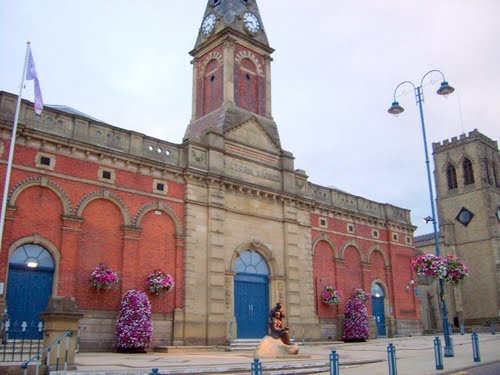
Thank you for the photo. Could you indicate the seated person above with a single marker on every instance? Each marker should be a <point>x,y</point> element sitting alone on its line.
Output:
<point>278,331</point>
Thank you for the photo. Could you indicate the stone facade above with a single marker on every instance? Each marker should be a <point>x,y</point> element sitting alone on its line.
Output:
<point>90,192</point>
<point>474,238</point>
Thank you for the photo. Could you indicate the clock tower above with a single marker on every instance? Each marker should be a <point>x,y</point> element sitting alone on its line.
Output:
<point>232,71</point>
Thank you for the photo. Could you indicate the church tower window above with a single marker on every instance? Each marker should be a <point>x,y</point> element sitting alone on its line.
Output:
<point>468,172</point>
<point>451,174</point>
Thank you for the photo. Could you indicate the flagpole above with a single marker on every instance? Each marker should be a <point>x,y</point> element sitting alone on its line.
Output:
<point>11,149</point>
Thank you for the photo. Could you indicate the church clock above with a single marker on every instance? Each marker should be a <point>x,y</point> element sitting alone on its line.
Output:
<point>251,22</point>
<point>208,24</point>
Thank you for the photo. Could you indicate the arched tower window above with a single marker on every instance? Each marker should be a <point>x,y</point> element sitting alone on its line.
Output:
<point>247,90</point>
<point>212,91</point>
<point>468,172</point>
<point>451,175</point>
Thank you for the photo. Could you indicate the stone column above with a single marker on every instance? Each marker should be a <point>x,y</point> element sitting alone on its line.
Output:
<point>194,113</point>
<point>229,71</point>
<point>179,290</point>
<point>268,111</point>
<point>390,321</point>
<point>61,316</point>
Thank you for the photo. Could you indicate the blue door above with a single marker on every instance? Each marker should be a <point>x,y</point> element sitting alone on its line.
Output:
<point>251,291</point>
<point>378,309</point>
<point>31,272</point>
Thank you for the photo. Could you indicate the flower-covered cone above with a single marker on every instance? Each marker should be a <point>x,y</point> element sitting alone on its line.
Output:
<point>133,327</point>
<point>356,321</point>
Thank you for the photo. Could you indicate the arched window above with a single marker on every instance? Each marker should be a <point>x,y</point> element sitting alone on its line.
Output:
<point>32,256</point>
<point>451,175</point>
<point>468,172</point>
<point>251,262</point>
<point>495,174</point>
<point>487,170</point>
<point>377,291</point>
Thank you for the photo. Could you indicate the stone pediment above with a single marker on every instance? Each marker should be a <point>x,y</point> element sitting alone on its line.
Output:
<point>252,134</point>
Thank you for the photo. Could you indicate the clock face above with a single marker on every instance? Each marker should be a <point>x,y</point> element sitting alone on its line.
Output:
<point>465,216</point>
<point>251,22</point>
<point>208,24</point>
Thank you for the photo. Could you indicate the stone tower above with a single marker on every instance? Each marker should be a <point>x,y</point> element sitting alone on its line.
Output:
<point>468,199</point>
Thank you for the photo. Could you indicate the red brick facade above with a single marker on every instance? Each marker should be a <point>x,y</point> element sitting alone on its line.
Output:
<point>83,222</point>
<point>350,260</point>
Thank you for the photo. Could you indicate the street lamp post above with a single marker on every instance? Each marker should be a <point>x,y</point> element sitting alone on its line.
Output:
<point>396,109</point>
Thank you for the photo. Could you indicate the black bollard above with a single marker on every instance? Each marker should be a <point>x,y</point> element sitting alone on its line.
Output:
<point>438,354</point>
<point>154,372</point>
<point>334,363</point>
<point>493,327</point>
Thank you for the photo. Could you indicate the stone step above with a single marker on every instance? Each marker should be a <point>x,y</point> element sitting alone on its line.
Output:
<point>286,368</point>
<point>239,345</point>
<point>246,344</point>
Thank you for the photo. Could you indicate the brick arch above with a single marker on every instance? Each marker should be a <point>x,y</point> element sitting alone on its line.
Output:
<point>355,245</point>
<point>353,269</point>
<point>104,194</point>
<point>262,249</point>
<point>43,182</point>
<point>248,55</point>
<point>327,239</point>
<point>324,273</point>
<point>214,55</point>
<point>162,207</point>
<point>377,248</point>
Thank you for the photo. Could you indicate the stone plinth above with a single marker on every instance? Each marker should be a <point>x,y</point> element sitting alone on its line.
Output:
<point>61,316</point>
<point>270,347</point>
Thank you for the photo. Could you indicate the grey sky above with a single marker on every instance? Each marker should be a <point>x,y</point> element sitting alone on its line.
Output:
<point>334,72</point>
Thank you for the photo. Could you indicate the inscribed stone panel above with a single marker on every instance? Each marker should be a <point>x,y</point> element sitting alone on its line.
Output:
<point>252,173</point>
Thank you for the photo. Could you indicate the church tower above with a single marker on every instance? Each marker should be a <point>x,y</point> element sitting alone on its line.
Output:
<point>468,199</point>
<point>232,70</point>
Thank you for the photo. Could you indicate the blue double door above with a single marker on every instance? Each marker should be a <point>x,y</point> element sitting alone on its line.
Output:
<point>251,305</point>
<point>28,292</point>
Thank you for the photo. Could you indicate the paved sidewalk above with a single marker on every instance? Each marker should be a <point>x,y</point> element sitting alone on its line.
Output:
<point>415,355</point>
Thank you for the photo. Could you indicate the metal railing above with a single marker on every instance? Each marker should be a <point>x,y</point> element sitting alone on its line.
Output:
<point>19,340</point>
<point>46,355</point>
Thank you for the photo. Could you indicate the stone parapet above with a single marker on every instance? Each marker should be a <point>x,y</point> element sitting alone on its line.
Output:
<point>464,138</point>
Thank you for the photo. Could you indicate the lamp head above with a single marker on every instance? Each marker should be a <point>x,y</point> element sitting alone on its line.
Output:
<point>395,109</point>
<point>427,219</point>
<point>445,89</point>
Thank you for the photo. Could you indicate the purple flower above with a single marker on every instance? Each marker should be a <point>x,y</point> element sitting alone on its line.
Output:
<point>158,282</point>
